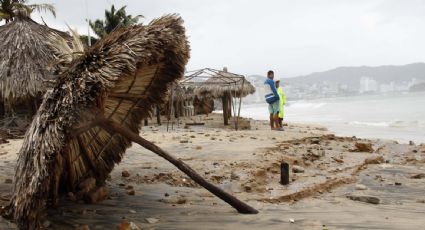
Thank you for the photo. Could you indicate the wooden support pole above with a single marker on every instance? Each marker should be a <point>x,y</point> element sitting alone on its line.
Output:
<point>225,102</point>
<point>240,104</point>
<point>158,115</point>
<point>229,104</point>
<point>113,127</point>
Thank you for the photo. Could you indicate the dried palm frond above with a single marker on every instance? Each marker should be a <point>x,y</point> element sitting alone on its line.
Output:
<point>65,50</point>
<point>121,78</point>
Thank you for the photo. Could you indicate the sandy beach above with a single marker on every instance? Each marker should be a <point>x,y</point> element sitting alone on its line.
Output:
<point>335,182</point>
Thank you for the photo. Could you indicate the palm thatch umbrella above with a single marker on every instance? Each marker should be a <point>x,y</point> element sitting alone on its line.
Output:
<point>223,83</point>
<point>225,86</point>
<point>25,55</point>
<point>88,120</point>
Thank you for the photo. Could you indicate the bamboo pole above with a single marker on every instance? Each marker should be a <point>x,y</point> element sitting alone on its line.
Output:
<point>241,207</point>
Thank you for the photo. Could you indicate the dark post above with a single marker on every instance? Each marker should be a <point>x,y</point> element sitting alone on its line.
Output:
<point>225,109</point>
<point>284,173</point>
<point>158,115</point>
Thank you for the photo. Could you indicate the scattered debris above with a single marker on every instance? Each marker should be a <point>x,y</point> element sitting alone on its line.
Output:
<point>365,199</point>
<point>297,169</point>
<point>418,176</point>
<point>125,173</point>
<point>374,160</point>
<point>152,220</point>
<point>363,147</point>
<point>174,200</point>
<point>99,194</point>
<point>361,187</point>
<point>315,141</point>
<point>131,192</point>
<point>127,225</point>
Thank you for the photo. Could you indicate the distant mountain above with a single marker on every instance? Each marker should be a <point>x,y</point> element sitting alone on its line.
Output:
<point>351,75</point>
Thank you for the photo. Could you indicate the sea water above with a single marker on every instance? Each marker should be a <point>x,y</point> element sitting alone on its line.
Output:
<point>398,117</point>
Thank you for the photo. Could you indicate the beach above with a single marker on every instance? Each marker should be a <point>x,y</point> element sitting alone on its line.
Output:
<point>335,182</point>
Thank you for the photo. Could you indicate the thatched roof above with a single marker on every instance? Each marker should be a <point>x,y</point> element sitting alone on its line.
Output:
<point>121,78</point>
<point>25,55</point>
<point>225,82</point>
<point>182,93</point>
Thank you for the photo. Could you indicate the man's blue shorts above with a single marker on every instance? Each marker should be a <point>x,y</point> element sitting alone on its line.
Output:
<point>274,108</point>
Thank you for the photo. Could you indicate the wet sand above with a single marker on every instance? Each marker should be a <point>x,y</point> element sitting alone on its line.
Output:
<point>247,164</point>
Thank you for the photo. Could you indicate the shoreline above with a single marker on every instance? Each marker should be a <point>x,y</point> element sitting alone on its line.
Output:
<point>246,163</point>
<point>378,117</point>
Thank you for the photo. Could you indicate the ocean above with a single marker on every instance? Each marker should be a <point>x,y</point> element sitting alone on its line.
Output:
<point>398,117</point>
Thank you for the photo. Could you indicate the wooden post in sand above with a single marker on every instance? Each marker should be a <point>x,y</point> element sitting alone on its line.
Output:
<point>284,173</point>
<point>113,127</point>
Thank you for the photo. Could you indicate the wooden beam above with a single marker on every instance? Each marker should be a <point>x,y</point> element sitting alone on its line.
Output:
<point>114,127</point>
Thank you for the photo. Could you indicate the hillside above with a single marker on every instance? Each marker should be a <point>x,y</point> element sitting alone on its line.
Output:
<point>351,75</point>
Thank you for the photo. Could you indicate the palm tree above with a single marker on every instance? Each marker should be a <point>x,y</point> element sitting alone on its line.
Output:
<point>9,8</point>
<point>113,18</point>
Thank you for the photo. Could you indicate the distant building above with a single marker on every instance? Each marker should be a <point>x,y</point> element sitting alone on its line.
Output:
<point>368,85</point>
<point>386,88</point>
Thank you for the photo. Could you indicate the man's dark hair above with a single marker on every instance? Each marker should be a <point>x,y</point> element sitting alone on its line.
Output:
<point>270,72</point>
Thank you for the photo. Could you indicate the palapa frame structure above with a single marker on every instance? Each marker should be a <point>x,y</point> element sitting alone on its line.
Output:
<point>94,112</point>
<point>229,87</point>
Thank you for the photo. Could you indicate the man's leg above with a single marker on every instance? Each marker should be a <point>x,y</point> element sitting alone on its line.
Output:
<point>276,114</point>
<point>271,121</point>
<point>271,116</point>
<point>276,120</point>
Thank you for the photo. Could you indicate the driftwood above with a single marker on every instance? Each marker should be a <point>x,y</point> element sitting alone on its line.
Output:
<point>113,128</point>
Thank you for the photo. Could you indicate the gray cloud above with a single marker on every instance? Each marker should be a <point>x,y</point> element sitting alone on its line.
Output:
<point>291,37</point>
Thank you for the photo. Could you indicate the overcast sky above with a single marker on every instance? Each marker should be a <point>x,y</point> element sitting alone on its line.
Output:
<point>291,37</point>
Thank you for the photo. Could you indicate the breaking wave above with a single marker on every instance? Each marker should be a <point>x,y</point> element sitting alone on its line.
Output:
<point>390,124</point>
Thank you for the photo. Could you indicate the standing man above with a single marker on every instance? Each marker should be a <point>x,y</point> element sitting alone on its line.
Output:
<point>282,101</point>
<point>272,98</point>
